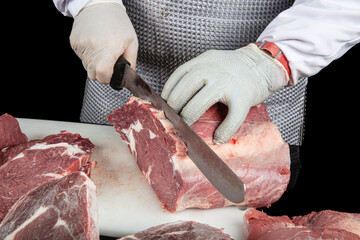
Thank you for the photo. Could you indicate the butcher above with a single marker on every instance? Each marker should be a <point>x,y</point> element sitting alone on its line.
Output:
<point>197,53</point>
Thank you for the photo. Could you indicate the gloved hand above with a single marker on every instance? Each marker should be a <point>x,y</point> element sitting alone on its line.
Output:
<point>101,33</point>
<point>238,78</point>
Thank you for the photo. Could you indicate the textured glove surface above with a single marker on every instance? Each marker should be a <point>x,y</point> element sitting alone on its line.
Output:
<point>101,33</point>
<point>238,78</point>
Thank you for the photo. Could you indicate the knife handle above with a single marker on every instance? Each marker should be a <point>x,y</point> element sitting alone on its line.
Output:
<point>119,68</point>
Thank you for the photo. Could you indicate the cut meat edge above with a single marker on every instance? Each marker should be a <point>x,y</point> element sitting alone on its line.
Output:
<point>26,163</point>
<point>325,224</point>
<point>139,136</point>
<point>44,210</point>
<point>180,230</point>
<point>162,141</point>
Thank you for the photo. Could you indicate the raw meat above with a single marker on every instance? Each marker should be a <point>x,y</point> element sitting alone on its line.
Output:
<point>10,133</point>
<point>31,164</point>
<point>326,224</point>
<point>256,153</point>
<point>63,208</point>
<point>180,230</point>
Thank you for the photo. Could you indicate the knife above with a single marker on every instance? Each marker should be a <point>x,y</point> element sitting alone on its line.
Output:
<point>209,163</point>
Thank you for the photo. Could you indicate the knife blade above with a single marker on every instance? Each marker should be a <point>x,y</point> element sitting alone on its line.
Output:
<point>209,163</point>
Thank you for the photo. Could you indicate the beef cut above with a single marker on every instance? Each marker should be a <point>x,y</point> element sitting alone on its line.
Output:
<point>180,230</point>
<point>256,153</point>
<point>325,224</point>
<point>10,133</point>
<point>63,208</point>
<point>29,165</point>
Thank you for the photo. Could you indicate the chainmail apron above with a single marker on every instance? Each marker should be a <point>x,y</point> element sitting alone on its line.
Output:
<point>173,32</point>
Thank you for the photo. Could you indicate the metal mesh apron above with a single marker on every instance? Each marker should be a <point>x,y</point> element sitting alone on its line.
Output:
<point>173,32</point>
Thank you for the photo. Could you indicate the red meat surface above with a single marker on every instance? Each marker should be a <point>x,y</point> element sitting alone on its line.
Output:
<point>180,230</point>
<point>10,133</point>
<point>325,224</point>
<point>63,208</point>
<point>29,165</point>
<point>256,153</point>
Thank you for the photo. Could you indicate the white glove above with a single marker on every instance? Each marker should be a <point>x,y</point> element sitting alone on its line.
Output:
<point>238,78</point>
<point>101,33</point>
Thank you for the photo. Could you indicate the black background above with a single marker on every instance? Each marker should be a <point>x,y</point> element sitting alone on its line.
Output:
<point>42,78</point>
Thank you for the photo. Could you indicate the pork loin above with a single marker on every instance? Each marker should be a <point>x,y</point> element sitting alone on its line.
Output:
<point>325,224</point>
<point>256,153</point>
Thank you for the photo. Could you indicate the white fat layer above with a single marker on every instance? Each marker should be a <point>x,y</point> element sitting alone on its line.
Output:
<point>152,135</point>
<point>4,149</point>
<point>20,155</point>
<point>147,174</point>
<point>70,149</point>
<point>54,175</point>
<point>132,142</point>
<point>133,127</point>
<point>61,222</point>
<point>177,233</point>
<point>137,126</point>
<point>40,211</point>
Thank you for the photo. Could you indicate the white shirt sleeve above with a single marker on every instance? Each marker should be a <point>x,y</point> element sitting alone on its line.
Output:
<point>312,34</point>
<point>71,8</point>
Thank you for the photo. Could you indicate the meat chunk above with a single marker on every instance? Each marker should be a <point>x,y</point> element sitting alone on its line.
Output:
<point>62,208</point>
<point>10,133</point>
<point>256,153</point>
<point>31,164</point>
<point>326,224</point>
<point>180,230</point>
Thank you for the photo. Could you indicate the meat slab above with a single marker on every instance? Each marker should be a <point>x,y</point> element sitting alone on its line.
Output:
<point>63,208</point>
<point>256,153</point>
<point>325,224</point>
<point>10,133</point>
<point>180,230</point>
<point>29,165</point>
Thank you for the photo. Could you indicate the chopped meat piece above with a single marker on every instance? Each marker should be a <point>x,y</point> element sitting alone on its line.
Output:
<point>180,230</point>
<point>10,133</point>
<point>31,164</point>
<point>326,224</point>
<point>62,208</point>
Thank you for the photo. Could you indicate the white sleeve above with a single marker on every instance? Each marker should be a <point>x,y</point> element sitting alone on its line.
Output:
<point>312,34</point>
<point>71,8</point>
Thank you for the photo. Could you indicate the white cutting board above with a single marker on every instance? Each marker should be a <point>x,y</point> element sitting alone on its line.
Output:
<point>126,202</point>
